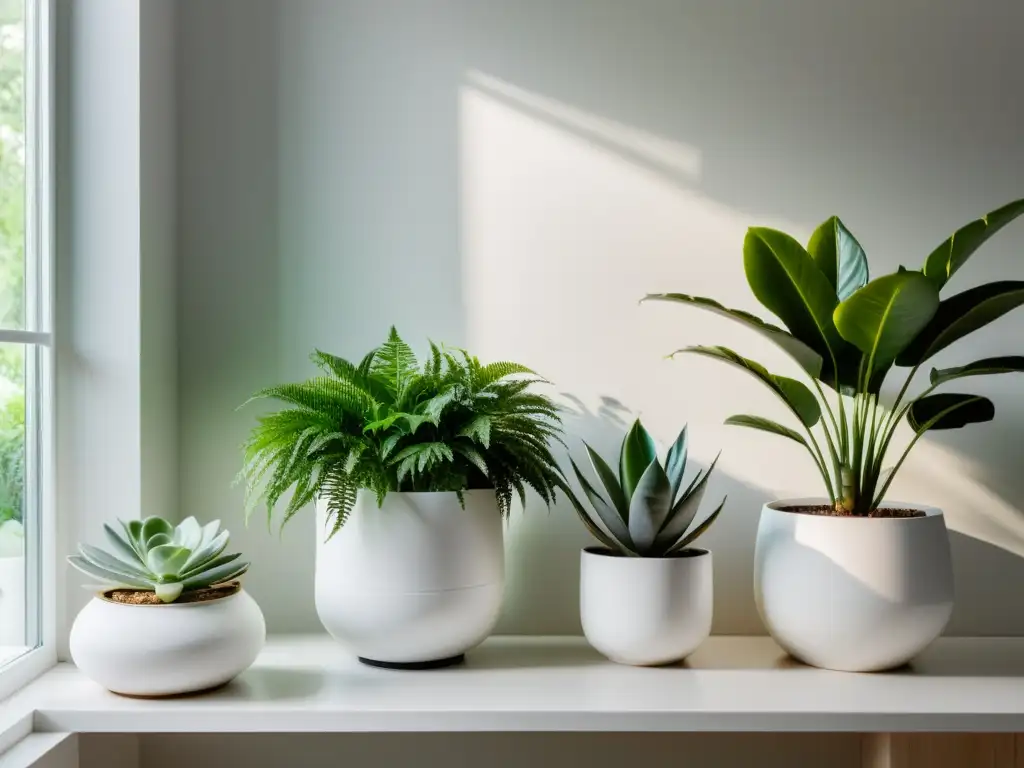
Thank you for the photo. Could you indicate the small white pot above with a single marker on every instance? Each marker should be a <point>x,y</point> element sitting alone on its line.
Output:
<point>645,611</point>
<point>12,601</point>
<point>415,583</point>
<point>850,593</point>
<point>164,650</point>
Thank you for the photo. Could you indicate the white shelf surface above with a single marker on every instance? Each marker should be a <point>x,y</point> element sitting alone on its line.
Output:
<point>309,684</point>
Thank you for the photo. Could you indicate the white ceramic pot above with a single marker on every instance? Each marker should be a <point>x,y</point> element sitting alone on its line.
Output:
<point>413,584</point>
<point>163,650</point>
<point>645,610</point>
<point>12,601</point>
<point>850,593</point>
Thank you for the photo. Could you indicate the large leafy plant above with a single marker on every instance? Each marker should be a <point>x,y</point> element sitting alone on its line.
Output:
<point>387,424</point>
<point>848,333</point>
<point>153,555</point>
<point>645,510</point>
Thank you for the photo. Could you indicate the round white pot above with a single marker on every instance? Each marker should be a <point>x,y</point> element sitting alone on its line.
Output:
<point>12,601</point>
<point>413,584</point>
<point>163,650</point>
<point>850,593</point>
<point>645,610</point>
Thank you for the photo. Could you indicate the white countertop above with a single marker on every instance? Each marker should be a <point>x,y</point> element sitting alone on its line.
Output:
<point>309,684</point>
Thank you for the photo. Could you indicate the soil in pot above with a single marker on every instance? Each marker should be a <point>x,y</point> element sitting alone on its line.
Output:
<point>827,510</point>
<point>143,597</point>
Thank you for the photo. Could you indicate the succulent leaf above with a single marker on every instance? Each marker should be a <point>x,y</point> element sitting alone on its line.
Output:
<point>675,463</point>
<point>649,507</point>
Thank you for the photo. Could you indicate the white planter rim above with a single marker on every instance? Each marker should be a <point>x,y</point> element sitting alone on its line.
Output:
<point>102,595</point>
<point>429,493</point>
<point>687,554</point>
<point>929,511</point>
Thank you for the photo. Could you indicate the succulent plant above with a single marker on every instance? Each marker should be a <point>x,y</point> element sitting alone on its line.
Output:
<point>155,555</point>
<point>646,512</point>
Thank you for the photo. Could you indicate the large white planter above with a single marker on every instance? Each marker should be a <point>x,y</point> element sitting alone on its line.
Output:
<point>12,601</point>
<point>645,610</point>
<point>850,593</point>
<point>163,650</point>
<point>415,583</point>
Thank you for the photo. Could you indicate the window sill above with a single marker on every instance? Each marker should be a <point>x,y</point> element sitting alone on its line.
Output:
<point>309,685</point>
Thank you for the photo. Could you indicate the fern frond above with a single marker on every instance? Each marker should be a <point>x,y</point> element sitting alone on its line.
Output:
<point>488,374</point>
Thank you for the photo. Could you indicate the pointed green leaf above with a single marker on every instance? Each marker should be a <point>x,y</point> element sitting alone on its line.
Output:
<point>589,522</point>
<point>188,533</point>
<point>785,278</point>
<point>167,559</point>
<point>804,356</point>
<point>684,511</point>
<point>884,316</point>
<point>985,367</point>
<point>697,532</point>
<point>649,506</point>
<point>610,483</point>
<point>637,452</point>
<point>96,572</point>
<point>188,572</point>
<point>960,315</point>
<point>675,464</point>
<point>840,257</point>
<point>122,547</point>
<point>220,575</point>
<point>796,396</point>
<point>765,425</point>
<point>207,552</point>
<point>958,247</point>
<point>949,411</point>
<point>109,562</point>
<point>608,516</point>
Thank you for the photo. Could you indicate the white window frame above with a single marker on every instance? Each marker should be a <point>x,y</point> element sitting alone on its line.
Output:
<point>41,536</point>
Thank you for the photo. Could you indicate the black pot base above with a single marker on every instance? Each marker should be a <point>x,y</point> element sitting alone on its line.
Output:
<point>434,664</point>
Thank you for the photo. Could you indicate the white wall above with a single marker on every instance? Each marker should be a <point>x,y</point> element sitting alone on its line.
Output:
<point>513,176</point>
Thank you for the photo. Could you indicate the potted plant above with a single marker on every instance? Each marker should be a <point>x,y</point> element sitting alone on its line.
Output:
<point>173,617</point>
<point>853,581</point>
<point>645,593</point>
<point>413,469</point>
<point>12,582</point>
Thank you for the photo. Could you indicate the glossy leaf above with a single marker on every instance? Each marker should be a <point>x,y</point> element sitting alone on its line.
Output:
<point>611,483</point>
<point>809,360</point>
<point>884,316</point>
<point>961,315</point>
<point>166,559</point>
<point>591,524</point>
<point>958,247</point>
<point>697,532</point>
<point>649,506</point>
<point>765,425</point>
<point>785,278</point>
<point>684,511</point>
<point>609,516</point>
<point>985,367</point>
<point>949,411</point>
<point>638,451</point>
<point>675,464</point>
<point>840,257</point>
<point>797,397</point>
<point>153,526</point>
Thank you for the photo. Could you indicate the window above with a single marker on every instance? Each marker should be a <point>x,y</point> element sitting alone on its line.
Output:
<point>25,327</point>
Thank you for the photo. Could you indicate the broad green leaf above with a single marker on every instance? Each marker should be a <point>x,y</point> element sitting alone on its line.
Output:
<point>157,540</point>
<point>784,278</point>
<point>638,451</point>
<point>796,396</point>
<point>675,463</point>
<point>188,533</point>
<point>990,365</point>
<point>958,247</point>
<point>809,360</point>
<point>167,559</point>
<point>610,517</point>
<point>697,532</point>
<point>949,411</point>
<point>884,316</point>
<point>840,257</point>
<point>960,315</point>
<point>610,483</point>
<point>684,511</point>
<point>765,425</point>
<point>649,506</point>
<point>152,526</point>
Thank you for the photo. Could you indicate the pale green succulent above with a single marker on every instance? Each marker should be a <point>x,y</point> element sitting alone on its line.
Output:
<point>155,555</point>
<point>645,511</point>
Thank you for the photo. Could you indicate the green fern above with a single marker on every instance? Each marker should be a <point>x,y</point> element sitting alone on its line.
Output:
<point>387,424</point>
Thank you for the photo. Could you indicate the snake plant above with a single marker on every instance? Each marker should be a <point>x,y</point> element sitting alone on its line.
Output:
<point>645,510</point>
<point>847,333</point>
<point>157,556</point>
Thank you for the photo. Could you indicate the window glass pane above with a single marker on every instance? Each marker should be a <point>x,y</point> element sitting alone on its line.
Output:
<point>16,517</point>
<point>12,163</point>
